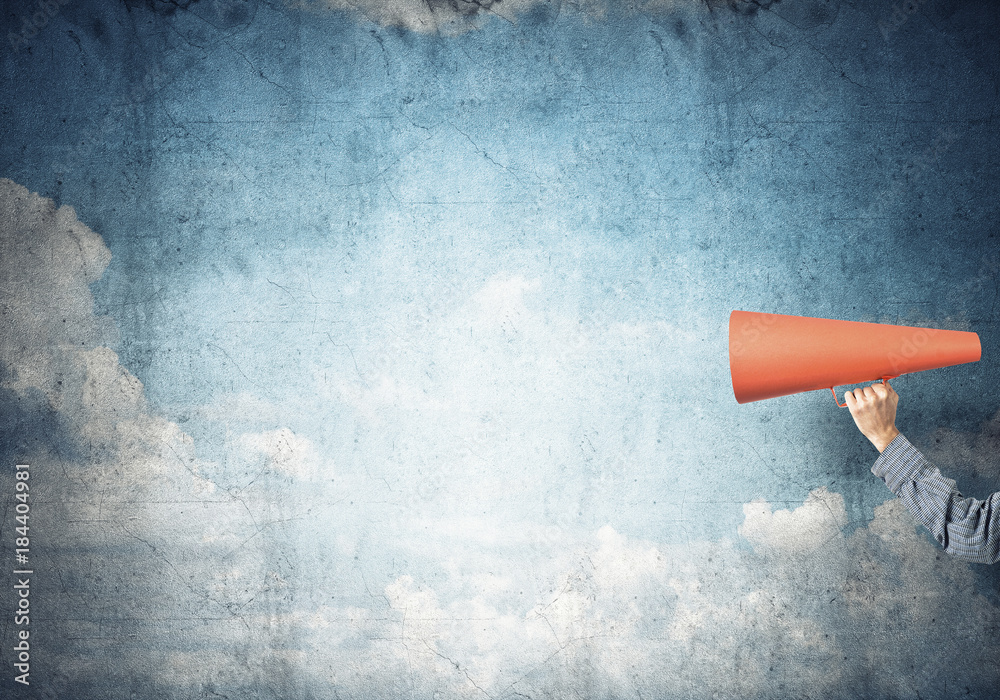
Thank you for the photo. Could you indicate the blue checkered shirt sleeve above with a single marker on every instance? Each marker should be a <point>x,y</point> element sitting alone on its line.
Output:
<point>966,527</point>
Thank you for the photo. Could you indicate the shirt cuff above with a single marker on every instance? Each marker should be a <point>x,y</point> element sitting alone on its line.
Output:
<point>899,463</point>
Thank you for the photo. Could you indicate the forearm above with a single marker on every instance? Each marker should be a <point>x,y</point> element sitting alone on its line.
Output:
<point>965,527</point>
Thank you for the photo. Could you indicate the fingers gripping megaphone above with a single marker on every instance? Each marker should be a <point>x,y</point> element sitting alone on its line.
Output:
<point>775,355</point>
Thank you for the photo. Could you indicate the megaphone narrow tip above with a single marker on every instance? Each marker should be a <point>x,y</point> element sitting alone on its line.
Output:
<point>774,355</point>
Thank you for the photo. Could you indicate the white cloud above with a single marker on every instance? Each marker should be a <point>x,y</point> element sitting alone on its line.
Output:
<point>450,17</point>
<point>811,526</point>
<point>131,520</point>
<point>430,16</point>
<point>807,612</point>
<point>244,584</point>
<point>289,454</point>
<point>501,299</point>
<point>49,260</point>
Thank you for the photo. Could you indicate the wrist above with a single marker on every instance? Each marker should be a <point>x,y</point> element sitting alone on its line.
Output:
<point>882,439</point>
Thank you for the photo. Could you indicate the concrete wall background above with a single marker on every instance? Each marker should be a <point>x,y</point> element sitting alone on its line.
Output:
<point>380,351</point>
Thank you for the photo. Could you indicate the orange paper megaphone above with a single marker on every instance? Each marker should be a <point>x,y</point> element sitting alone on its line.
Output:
<point>774,355</point>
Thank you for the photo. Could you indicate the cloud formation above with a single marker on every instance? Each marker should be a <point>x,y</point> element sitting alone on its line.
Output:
<point>124,517</point>
<point>233,577</point>
<point>807,613</point>
<point>282,450</point>
<point>451,17</point>
<point>431,16</point>
<point>49,259</point>
<point>810,527</point>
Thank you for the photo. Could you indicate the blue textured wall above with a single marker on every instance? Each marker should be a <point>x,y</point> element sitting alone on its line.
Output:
<point>378,349</point>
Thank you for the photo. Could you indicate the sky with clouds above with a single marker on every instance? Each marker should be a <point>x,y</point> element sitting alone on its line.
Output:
<point>378,349</point>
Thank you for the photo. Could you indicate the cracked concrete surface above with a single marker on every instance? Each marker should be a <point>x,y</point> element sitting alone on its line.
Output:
<point>379,350</point>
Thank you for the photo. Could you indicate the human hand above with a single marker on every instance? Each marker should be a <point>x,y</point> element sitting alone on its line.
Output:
<point>874,411</point>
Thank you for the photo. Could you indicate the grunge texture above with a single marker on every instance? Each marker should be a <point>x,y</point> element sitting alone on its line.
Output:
<point>378,349</point>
